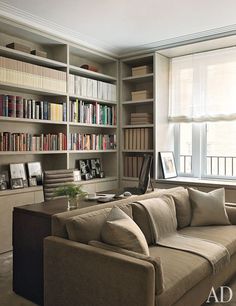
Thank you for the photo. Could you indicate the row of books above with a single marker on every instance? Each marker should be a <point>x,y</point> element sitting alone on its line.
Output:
<point>141,118</point>
<point>92,113</point>
<point>85,87</point>
<point>29,142</point>
<point>138,139</point>
<point>25,74</point>
<point>19,107</point>
<point>132,165</point>
<point>79,141</point>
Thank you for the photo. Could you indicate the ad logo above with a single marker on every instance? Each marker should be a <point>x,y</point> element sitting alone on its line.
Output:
<point>225,295</point>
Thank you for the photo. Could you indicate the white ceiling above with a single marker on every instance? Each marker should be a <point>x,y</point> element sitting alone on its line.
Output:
<point>122,26</point>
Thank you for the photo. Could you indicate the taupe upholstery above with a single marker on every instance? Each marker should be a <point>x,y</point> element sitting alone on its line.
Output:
<point>54,179</point>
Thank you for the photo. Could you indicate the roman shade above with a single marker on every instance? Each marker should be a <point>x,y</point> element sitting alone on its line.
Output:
<point>203,86</point>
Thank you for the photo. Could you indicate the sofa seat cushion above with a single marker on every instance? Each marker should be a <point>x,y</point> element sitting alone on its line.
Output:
<point>223,234</point>
<point>181,272</point>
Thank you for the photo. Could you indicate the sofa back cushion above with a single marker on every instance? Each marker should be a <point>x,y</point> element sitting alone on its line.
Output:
<point>182,207</point>
<point>88,226</point>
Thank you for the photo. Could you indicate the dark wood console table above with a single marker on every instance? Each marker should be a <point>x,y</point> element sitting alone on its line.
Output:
<point>31,224</point>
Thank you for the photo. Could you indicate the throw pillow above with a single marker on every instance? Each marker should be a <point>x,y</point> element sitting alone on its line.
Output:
<point>208,208</point>
<point>121,231</point>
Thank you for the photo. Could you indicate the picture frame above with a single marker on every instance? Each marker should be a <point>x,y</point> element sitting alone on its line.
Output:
<point>4,180</point>
<point>77,175</point>
<point>85,169</point>
<point>17,183</point>
<point>95,167</point>
<point>168,164</point>
<point>35,171</point>
<point>32,181</point>
<point>17,170</point>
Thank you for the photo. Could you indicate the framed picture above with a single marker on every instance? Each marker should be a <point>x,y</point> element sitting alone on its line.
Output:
<point>168,164</point>
<point>4,180</point>
<point>17,171</point>
<point>35,170</point>
<point>32,181</point>
<point>25,183</point>
<point>77,175</point>
<point>17,183</point>
<point>85,169</point>
<point>95,167</point>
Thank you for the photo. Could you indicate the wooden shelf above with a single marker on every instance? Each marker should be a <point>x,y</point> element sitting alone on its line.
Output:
<point>139,78</point>
<point>137,126</point>
<point>92,99</point>
<point>25,120</point>
<point>30,58</point>
<point>31,152</point>
<point>91,151</point>
<point>138,151</point>
<point>92,74</point>
<point>107,126</point>
<point>21,88</point>
<point>137,102</point>
<point>20,190</point>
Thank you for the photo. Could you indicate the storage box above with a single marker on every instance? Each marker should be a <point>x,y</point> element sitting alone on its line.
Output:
<point>19,47</point>
<point>39,53</point>
<point>139,95</point>
<point>140,70</point>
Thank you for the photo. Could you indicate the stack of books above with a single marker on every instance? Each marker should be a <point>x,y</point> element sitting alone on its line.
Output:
<point>25,74</point>
<point>92,113</point>
<point>19,107</point>
<point>138,139</point>
<point>28,142</point>
<point>85,87</point>
<point>140,118</point>
<point>132,165</point>
<point>79,141</point>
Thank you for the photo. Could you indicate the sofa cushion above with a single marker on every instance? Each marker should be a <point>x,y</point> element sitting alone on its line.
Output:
<point>181,272</point>
<point>88,226</point>
<point>121,231</point>
<point>182,206</point>
<point>225,235</point>
<point>154,261</point>
<point>208,208</point>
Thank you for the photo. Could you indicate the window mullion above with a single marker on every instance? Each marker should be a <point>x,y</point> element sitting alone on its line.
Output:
<point>196,150</point>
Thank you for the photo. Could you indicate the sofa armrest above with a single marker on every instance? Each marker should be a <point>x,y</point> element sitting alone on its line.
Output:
<point>79,274</point>
<point>231,211</point>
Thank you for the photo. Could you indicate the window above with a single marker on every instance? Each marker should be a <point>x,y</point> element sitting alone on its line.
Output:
<point>203,106</point>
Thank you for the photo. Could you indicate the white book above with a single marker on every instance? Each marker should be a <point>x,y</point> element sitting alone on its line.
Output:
<point>89,88</point>
<point>84,86</point>
<point>99,89</point>
<point>95,89</point>
<point>71,85</point>
<point>109,92</point>
<point>113,92</point>
<point>105,91</point>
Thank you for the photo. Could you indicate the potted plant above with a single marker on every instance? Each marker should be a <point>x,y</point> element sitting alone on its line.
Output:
<point>73,193</point>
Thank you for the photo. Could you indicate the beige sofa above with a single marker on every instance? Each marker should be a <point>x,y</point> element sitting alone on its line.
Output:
<point>76,273</point>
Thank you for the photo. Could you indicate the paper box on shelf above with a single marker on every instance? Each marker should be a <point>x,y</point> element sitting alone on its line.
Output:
<point>140,70</point>
<point>139,95</point>
<point>19,47</point>
<point>39,53</point>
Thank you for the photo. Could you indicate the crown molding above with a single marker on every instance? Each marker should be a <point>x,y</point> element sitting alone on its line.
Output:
<point>17,15</point>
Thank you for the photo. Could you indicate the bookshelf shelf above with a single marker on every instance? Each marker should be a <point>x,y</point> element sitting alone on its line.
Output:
<point>30,58</point>
<point>91,74</point>
<point>25,120</point>
<point>32,90</point>
<point>138,79</point>
<point>93,100</point>
<point>93,125</point>
<point>9,192</point>
<point>138,151</point>
<point>128,126</point>
<point>91,151</point>
<point>137,102</point>
<point>31,152</point>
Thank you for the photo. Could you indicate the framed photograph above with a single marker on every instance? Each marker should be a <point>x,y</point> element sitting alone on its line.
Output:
<point>168,164</point>
<point>32,181</point>
<point>4,180</point>
<point>95,167</point>
<point>18,171</point>
<point>77,175</point>
<point>35,170</point>
<point>25,183</point>
<point>17,183</point>
<point>85,169</point>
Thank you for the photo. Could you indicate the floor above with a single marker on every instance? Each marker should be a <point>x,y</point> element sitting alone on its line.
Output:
<point>9,298</point>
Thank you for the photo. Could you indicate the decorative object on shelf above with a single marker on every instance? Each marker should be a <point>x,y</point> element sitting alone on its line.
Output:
<point>85,168</point>
<point>35,171</point>
<point>140,95</point>
<point>73,193</point>
<point>4,180</point>
<point>168,164</point>
<point>39,53</point>
<point>102,174</point>
<point>17,171</point>
<point>89,67</point>
<point>77,175</point>
<point>32,181</point>
<point>25,183</point>
<point>141,70</point>
<point>95,167</point>
<point>18,47</point>
<point>17,183</point>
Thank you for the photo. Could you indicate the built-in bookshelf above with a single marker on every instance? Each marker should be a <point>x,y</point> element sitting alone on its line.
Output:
<point>45,100</point>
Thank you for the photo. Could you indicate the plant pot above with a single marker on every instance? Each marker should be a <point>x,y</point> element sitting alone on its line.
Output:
<point>72,203</point>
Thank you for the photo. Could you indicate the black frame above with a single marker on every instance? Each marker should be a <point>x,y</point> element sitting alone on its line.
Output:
<point>12,166</point>
<point>20,183</point>
<point>168,166</point>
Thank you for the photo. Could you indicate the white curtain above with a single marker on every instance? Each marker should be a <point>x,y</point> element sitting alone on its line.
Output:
<point>203,86</point>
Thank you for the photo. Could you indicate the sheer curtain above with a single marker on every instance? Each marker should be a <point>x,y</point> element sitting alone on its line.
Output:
<point>203,87</point>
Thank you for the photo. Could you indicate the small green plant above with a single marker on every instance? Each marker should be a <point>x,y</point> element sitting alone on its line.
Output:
<point>71,191</point>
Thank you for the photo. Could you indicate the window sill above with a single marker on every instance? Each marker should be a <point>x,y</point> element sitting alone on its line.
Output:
<point>229,184</point>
